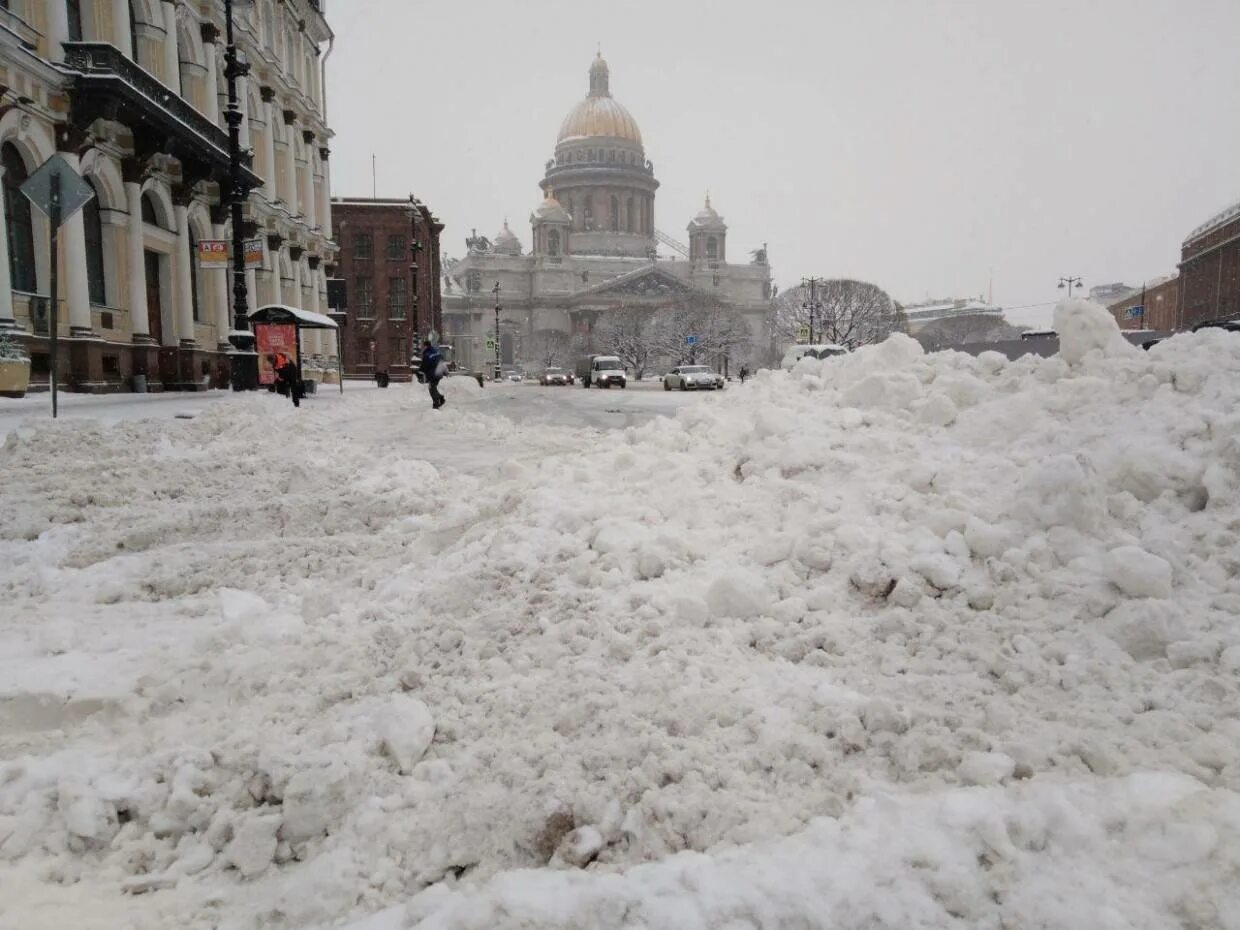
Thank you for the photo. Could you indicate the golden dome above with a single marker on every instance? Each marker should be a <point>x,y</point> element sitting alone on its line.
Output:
<point>599,115</point>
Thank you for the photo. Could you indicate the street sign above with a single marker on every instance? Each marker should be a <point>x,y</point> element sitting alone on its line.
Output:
<point>691,340</point>
<point>56,179</point>
<point>490,344</point>
<point>59,191</point>
<point>802,334</point>
<point>1135,312</point>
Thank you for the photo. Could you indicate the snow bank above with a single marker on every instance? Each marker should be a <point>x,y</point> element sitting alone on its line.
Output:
<point>963,624</point>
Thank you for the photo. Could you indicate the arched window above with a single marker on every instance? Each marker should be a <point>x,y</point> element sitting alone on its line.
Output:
<point>589,212</point>
<point>17,219</point>
<point>712,248</point>
<point>149,212</point>
<point>553,242</point>
<point>73,8</point>
<point>614,219</point>
<point>93,224</point>
<point>628,215</point>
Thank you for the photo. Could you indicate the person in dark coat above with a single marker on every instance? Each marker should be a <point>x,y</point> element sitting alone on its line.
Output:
<point>433,369</point>
<point>287,379</point>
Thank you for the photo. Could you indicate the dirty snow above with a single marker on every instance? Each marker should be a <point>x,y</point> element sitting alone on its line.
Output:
<point>889,641</point>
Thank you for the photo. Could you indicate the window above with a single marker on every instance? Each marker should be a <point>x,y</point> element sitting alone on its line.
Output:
<point>365,297</point>
<point>73,8</point>
<point>17,220</point>
<point>94,250</point>
<point>396,248</point>
<point>133,32</point>
<point>614,219</point>
<point>398,352</point>
<point>473,282</point>
<point>553,242</point>
<point>589,211</point>
<point>365,355</point>
<point>396,298</point>
<point>362,247</point>
<point>712,248</point>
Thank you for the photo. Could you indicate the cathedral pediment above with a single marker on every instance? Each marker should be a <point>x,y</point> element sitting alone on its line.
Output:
<point>647,282</point>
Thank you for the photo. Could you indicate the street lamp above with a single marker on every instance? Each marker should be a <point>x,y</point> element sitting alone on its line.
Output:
<point>244,363</point>
<point>812,304</point>
<point>1069,283</point>
<point>414,248</point>
<point>495,290</point>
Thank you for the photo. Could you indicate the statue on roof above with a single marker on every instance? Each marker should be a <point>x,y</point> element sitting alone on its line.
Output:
<point>759,255</point>
<point>477,244</point>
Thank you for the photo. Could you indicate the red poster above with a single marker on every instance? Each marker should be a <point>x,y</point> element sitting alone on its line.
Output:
<point>273,339</point>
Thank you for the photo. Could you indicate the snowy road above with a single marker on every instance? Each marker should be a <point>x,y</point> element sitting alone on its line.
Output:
<point>891,641</point>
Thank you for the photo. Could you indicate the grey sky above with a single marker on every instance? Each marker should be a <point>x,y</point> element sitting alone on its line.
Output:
<point>918,144</point>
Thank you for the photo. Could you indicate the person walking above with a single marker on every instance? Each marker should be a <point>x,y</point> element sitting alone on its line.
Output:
<point>433,369</point>
<point>744,374</point>
<point>287,378</point>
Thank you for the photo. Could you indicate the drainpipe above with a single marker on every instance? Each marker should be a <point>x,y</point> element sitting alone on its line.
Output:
<point>331,44</point>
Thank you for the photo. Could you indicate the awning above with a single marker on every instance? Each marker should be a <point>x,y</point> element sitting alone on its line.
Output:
<point>279,313</point>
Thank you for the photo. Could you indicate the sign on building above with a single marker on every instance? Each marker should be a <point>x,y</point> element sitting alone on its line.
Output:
<point>255,251</point>
<point>213,254</point>
<point>1136,312</point>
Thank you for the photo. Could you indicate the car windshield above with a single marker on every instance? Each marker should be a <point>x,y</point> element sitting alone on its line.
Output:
<point>695,370</point>
<point>555,371</point>
<point>608,364</point>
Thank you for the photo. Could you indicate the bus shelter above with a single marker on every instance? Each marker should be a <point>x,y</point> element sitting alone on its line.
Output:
<point>277,331</point>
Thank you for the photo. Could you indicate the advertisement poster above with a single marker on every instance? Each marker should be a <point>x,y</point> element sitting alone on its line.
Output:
<point>254,253</point>
<point>213,254</point>
<point>273,339</point>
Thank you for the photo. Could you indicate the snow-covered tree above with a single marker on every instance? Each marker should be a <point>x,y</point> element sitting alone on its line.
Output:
<point>840,310</point>
<point>632,334</point>
<point>551,348</point>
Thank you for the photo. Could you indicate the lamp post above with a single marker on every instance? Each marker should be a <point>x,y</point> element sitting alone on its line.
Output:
<point>812,305</point>
<point>1069,283</point>
<point>495,290</point>
<point>414,248</point>
<point>244,363</point>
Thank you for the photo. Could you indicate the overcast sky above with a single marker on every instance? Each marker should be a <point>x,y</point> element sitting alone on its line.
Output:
<point>924,145</point>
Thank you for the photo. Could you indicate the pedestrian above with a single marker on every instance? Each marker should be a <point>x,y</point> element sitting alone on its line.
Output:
<point>433,369</point>
<point>744,374</point>
<point>287,378</point>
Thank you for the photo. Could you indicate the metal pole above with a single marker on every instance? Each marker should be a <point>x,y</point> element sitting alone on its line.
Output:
<point>495,290</point>
<point>54,334</point>
<point>244,369</point>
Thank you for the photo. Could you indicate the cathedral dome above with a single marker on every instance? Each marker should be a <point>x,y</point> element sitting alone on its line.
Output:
<point>599,115</point>
<point>551,211</point>
<point>506,242</point>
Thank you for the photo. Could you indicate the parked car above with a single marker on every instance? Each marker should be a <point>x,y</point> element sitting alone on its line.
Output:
<point>693,378</point>
<point>555,376</point>
<point>1232,326</point>
<point>601,371</point>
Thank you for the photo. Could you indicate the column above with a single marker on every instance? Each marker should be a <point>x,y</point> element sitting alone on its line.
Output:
<point>73,265</point>
<point>219,293</point>
<point>139,319</point>
<point>320,342</point>
<point>269,175</point>
<point>243,101</point>
<point>290,167</point>
<point>7,321</point>
<point>57,29</point>
<point>307,187</point>
<point>212,95</point>
<point>184,281</point>
<point>122,30</point>
<point>251,287</point>
<point>277,293</point>
<point>325,205</point>
<point>172,54</point>
<point>297,300</point>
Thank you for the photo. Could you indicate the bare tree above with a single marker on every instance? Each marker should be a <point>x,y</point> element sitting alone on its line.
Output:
<point>965,329</point>
<point>697,329</point>
<point>842,311</point>
<point>550,348</point>
<point>632,334</point>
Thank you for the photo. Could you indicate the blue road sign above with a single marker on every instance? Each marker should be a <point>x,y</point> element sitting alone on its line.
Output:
<point>691,340</point>
<point>1135,312</point>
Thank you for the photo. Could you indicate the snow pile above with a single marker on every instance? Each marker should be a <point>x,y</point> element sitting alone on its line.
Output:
<point>962,624</point>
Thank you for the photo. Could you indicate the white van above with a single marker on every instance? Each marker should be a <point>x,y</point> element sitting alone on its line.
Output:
<point>822,350</point>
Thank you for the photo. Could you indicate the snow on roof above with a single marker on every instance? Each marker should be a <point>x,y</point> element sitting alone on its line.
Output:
<point>305,317</point>
<point>1214,222</point>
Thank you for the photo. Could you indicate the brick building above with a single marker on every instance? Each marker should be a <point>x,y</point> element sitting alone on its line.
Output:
<point>1156,306</point>
<point>1210,270</point>
<point>391,305</point>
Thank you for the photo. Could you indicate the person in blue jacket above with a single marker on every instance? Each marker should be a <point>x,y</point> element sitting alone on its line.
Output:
<point>433,369</point>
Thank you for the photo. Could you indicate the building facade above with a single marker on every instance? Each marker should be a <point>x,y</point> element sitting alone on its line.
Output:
<point>1210,270</point>
<point>594,249</point>
<point>133,93</point>
<point>918,316</point>
<point>1154,307</point>
<point>390,264</point>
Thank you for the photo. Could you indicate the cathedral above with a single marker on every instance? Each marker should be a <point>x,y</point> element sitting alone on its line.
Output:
<point>595,250</point>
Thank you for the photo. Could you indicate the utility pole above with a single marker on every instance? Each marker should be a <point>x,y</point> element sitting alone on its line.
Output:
<point>244,367</point>
<point>1070,282</point>
<point>414,248</point>
<point>812,306</point>
<point>495,290</point>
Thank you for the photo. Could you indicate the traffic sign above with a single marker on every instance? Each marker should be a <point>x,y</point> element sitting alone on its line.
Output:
<point>490,344</point>
<point>57,189</point>
<point>691,340</point>
<point>802,334</point>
